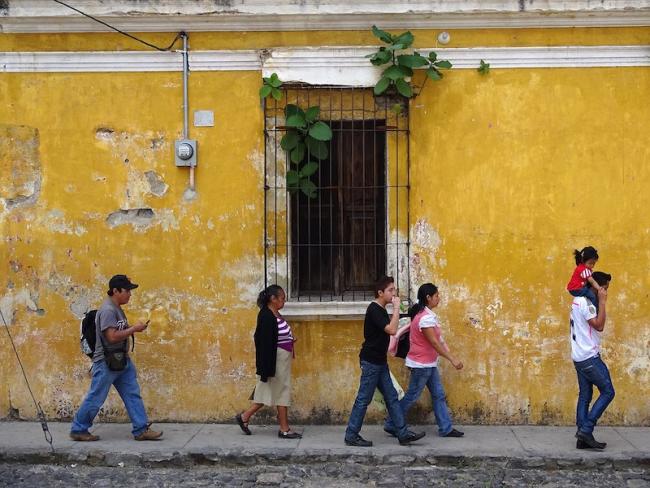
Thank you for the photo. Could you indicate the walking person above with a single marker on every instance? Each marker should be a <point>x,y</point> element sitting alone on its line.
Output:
<point>377,329</point>
<point>426,346</point>
<point>274,353</point>
<point>113,366</point>
<point>587,324</point>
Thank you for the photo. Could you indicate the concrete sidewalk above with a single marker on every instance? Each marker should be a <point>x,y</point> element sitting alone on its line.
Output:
<point>191,444</point>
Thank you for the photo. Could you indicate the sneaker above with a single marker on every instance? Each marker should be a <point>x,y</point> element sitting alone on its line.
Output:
<point>410,437</point>
<point>83,437</point>
<point>454,433</point>
<point>289,434</point>
<point>589,441</point>
<point>148,435</point>
<point>358,442</point>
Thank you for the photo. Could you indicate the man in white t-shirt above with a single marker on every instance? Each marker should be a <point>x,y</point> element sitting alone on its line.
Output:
<point>586,327</point>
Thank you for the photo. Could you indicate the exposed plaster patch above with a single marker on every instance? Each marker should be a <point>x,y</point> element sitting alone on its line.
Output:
<point>256,158</point>
<point>156,184</point>
<point>55,221</point>
<point>80,298</point>
<point>20,166</point>
<point>10,302</point>
<point>246,274</point>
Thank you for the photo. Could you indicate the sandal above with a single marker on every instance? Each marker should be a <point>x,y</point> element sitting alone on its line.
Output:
<point>242,425</point>
<point>289,435</point>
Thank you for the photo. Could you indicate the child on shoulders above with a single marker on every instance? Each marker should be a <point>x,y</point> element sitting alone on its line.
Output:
<point>577,286</point>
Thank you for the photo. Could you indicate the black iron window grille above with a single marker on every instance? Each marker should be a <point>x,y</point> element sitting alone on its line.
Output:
<point>334,245</point>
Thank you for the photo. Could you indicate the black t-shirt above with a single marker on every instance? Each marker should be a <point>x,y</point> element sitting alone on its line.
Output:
<point>375,346</point>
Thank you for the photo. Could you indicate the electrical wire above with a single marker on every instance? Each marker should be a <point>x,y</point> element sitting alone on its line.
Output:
<point>168,48</point>
<point>39,411</point>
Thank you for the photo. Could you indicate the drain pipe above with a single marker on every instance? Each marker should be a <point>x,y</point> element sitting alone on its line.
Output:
<point>186,148</point>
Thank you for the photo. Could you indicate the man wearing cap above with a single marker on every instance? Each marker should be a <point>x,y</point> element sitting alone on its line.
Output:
<point>113,332</point>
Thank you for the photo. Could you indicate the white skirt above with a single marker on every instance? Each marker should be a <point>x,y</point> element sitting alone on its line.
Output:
<point>277,390</point>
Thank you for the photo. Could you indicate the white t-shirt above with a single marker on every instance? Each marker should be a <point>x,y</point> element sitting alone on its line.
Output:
<point>429,320</point>
<point>585,340</point>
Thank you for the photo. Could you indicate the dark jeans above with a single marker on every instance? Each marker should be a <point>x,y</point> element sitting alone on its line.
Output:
<point>375,376</point>
<point>589,293</point>
<point>592,371</point>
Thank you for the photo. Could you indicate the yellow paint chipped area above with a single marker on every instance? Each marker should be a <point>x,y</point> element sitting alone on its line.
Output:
<point>262,40</point>
<point>510,173</point>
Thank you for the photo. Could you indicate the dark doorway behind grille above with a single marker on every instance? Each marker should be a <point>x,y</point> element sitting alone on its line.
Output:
<point>338,239</point>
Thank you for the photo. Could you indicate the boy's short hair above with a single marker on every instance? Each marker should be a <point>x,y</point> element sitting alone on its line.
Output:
<point>601,278</point>
<point>382,283</point>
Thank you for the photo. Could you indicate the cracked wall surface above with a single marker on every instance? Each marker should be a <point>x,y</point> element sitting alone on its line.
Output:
<point>508,174</point>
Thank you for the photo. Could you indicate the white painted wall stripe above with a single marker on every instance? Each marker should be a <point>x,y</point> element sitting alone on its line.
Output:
<point>319,65</point>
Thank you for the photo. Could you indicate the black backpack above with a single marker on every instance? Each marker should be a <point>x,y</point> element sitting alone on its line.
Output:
<point>88,333</point>
<point>403,345</point>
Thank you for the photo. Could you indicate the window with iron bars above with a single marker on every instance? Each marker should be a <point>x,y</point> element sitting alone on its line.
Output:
<point>333,246</point>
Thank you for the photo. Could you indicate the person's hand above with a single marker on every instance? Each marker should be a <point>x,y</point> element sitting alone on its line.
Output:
<point>396,301</point>
<point>457,364</point>
<point>140,326</point>
<point>602,294</point>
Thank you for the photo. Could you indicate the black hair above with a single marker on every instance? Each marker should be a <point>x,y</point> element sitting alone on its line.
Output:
<point>426,290</point>
<point>585,255</point>
<point>382,283</point>
<point>601,278</point>
<point>265,295</point>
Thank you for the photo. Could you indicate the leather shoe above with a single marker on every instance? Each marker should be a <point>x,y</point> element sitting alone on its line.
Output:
<point>148,435</point>
<point>454,433</point>
<point>589,441</point>
<point>242,425</point>
<point>83,437</point>
<point>289,435</point>
<point>358,442</point>
<point>410,437</point>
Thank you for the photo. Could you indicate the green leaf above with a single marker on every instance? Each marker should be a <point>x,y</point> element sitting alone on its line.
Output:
<point>393,73</point>
<point>434,74</point>
<point>293,178</point>
<point>308,187</point>
<point>289,140</point>
<point>312,113</point>
<point>405,38</point>
<point>433,56</point>
<point>443,64</point>
<point>309,169</point>
<point>380,57</point>
<point>484,68</point>
<point>265,91</point>
<point>412,60</point>
<point>276,94</point>
<point>404,88</point>
<point>274,81</point>
<point>396,108</point>
<point>291,109</point>
<point>298,153</point>
<point>396,47</point>
<point>381,86</point>
<point>320,131</point>
<point>297,120</point>
<point>318,149</point>
<point>382,35</point>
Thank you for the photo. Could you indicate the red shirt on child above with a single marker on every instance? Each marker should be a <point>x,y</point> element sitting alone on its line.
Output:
<point>579,278</point>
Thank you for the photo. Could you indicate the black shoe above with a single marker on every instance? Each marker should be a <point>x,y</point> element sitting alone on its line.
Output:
<point>410,437</point>
<point>454,433</point>
<point>358,442</point>
<point>289,435</point>
<point>242,425</point>
<point>589,441</point>
<point>390,432</point>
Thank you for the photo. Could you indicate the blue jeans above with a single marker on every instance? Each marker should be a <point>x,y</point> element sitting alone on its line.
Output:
<point>592,371</point>
<point>126,384</point>
<point>375,376</point>
<point>589,293</point>
<point>429,377</point>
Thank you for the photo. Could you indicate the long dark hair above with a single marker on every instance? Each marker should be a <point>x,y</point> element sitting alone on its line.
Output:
<point>585,255</point>
<point>428,289</point>
<point>265,295</point>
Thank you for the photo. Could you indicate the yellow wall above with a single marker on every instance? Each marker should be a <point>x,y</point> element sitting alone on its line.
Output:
<point>510,172</point>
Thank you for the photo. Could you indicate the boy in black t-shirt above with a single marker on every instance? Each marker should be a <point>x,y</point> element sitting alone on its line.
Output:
<point>377,327</point>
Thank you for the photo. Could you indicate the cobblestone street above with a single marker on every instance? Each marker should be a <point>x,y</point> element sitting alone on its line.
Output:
<point>319,475</point>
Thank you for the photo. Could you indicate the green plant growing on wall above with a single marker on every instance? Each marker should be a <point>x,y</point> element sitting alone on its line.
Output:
<point>484,68</point>
<point>271,86</point>
<point>306,145</point>
<point>398,75</point>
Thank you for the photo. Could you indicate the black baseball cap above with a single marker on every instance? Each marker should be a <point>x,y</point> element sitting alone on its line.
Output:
<point>122,282</point>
